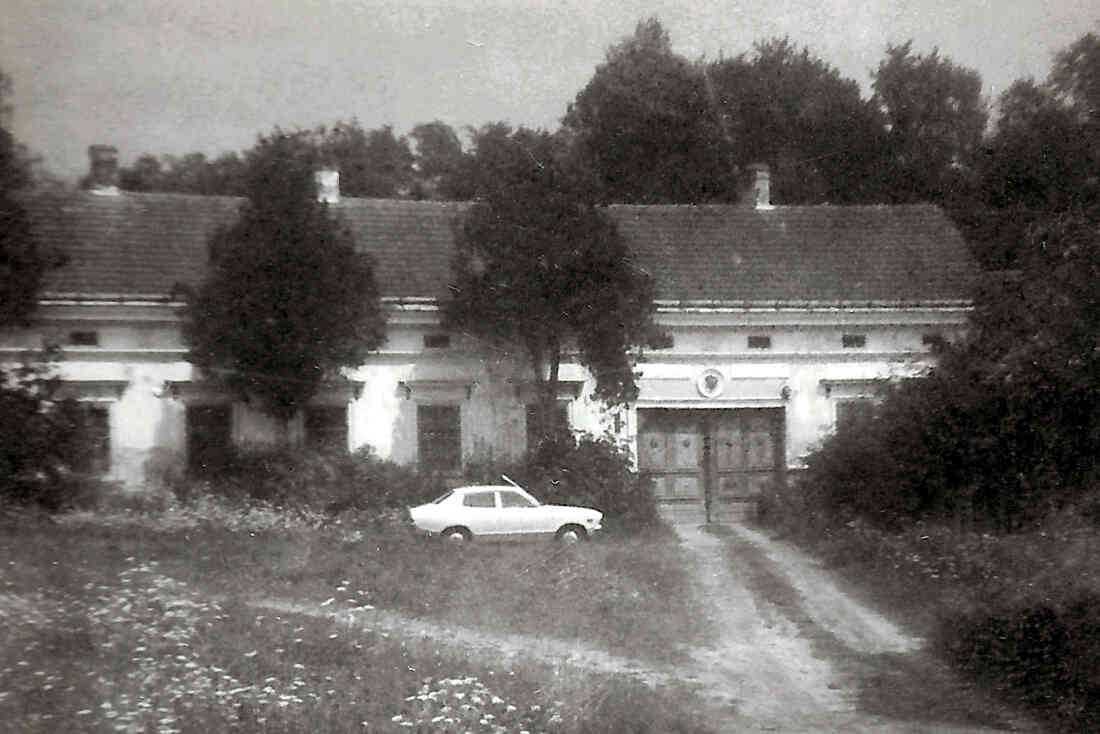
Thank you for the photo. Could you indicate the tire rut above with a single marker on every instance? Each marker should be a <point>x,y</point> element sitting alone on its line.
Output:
<point>880,678</point>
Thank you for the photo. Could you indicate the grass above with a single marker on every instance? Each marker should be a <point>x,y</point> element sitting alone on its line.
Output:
<point>629,596</point>
<point>115,627</point>
<point>1014,614</point>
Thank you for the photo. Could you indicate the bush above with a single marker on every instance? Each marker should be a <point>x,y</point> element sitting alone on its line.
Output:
<point>304,478</point>
<point>586,470</point>
<point>1042,650</point>
<point>42,440</point>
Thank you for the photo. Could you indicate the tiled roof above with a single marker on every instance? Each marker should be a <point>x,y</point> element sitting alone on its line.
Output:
<point>856,254</point>
<point>139,245</point>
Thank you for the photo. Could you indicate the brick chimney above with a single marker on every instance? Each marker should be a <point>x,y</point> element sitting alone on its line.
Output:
<point>328,185</point>
<point>103,170</point>
<point>759,195</point>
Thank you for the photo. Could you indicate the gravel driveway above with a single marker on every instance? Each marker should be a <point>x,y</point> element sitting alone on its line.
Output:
<point>795,652</point>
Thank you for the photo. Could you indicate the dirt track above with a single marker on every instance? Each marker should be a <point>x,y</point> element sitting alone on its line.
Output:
<point>795,653</point>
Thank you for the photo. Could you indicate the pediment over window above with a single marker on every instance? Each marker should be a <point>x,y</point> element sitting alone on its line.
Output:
<point>335,392</point>
<point>527,391</point>
<point>851,388</point>
<point>437,390</point>
<point>92,390</point>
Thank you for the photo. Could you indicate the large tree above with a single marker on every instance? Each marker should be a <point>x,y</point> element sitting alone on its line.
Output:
<point>23,263</point>
<point>438,160</point>
<point>541,270</point>
<point>646,126</point>
<point>935,117</point>
<point>1042,157</point>
<point>288,300</point>
<point>372,163</point>
<point>783,106</point>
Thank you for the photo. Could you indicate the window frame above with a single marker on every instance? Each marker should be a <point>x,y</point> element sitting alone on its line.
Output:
<point>763,342</point>
<point>441,341</point>
<point>846,403</point>
<point>326,437</point>
<point>853,341</point>
<point>439,446</point>
<point>84,338</point>
<point>492,494</point>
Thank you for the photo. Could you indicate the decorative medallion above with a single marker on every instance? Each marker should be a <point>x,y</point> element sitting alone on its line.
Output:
<point>710,383</point>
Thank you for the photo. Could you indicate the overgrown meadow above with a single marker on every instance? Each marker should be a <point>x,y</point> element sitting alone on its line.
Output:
<point>145,622</point>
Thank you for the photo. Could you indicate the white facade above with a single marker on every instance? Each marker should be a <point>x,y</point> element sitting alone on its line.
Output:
<point>798,363</point>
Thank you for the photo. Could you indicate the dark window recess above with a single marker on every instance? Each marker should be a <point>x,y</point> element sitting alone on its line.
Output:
<point>853,341</point>
<point>561,420</point>
<point>439,437</point>
<point>84,338</point>
<point>209,438</point>
<point>437,341</point>
<point>932,340</point>
<point>327,427</point>
<point>851,414</point>
<point>760,342</point>
<point>661,341</point>
<point>94,456</point>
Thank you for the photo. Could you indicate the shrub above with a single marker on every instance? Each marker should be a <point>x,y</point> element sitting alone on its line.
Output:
<point>582,469</point>
<point>1042,650</point>
<point>42,439</point>
<point>304,478</point>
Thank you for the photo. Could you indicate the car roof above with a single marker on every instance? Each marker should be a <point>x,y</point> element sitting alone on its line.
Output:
<point>483,488</point>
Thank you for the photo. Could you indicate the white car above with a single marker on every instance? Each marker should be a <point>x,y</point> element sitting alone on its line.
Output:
<point>502,512</point>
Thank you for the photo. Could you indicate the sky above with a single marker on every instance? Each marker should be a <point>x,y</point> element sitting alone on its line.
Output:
<point>175,76</point>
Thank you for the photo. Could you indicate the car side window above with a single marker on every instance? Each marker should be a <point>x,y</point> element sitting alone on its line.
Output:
<point>514,499</point>
<point>479,499</point>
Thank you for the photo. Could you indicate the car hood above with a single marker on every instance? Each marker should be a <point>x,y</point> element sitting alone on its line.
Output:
<point>573,508</point>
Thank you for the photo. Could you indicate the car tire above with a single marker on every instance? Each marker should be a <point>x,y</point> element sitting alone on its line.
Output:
<point>457,535</point>
<point>570,534</point>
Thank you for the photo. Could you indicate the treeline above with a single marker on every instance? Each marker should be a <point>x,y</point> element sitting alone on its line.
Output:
<point>1003,431</point>
<point>651,126</point>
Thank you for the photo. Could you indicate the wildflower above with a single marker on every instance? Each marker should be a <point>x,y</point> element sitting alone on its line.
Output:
<point>328,601</point>
<point>251,654</point>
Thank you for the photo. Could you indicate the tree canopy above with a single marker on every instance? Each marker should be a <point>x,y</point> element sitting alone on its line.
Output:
<point>646,126</point>
<point>540,269</point>
<point>23,263</point>
<point>288,299</point>
<point>782,106</point>
<point>372,163</point>
<point>935,117</point>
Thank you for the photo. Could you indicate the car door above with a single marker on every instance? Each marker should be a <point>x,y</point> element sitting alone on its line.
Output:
<point>520,515</point>
<point>480,512</point>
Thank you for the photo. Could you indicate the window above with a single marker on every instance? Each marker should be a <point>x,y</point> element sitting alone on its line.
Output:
<point>209,438</point>
<point>760,342</point>
<point>437,341</point>
<point>853,413</point>
<point>534,425</point>
<point>853,341</point>
<point>95,433</point>
<point>439,437</point>
<point>479,499</point>
<point>327,427</point>
<point>515,499</point>
<point>84,338</point>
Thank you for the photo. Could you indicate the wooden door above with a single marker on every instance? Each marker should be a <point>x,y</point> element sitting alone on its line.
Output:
<point>717,457</point>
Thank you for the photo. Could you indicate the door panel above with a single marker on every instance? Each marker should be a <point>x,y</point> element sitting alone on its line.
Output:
<point>737,451</point>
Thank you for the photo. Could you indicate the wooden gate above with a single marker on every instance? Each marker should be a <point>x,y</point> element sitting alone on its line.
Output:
<point>710,463</point>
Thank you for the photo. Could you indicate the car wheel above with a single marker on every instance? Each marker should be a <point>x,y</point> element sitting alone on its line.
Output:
<point>457,535</point>
<point>570,534</point>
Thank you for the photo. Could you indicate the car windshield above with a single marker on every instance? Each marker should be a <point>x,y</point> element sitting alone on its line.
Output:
<point>442,497</point>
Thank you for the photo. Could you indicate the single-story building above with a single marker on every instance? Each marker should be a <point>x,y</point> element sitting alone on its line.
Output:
<point>782,320</point>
